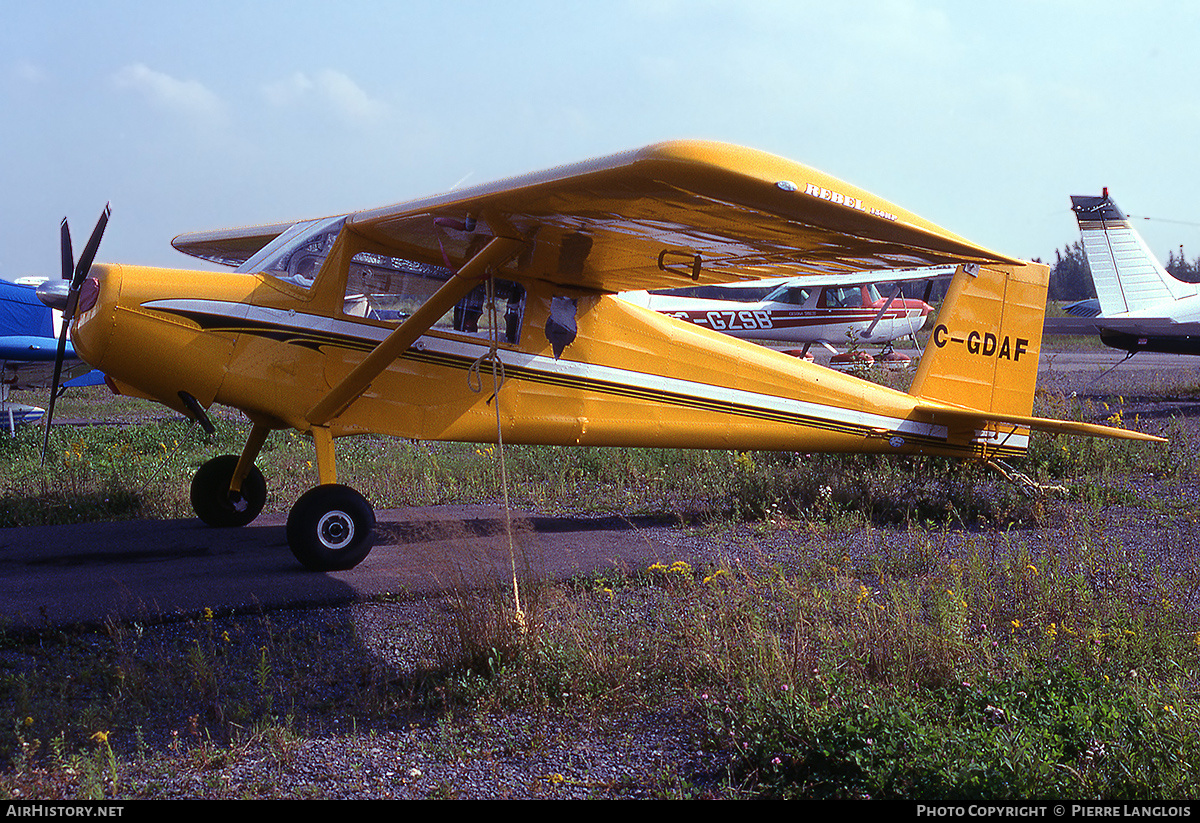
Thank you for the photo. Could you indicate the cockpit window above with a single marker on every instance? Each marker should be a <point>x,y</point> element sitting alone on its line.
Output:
<point>298,254</point>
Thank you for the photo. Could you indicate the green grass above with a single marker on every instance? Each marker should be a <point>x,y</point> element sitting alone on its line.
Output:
<point>986,672</point>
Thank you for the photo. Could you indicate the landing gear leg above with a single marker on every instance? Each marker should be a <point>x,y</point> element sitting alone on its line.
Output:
<point>330,527</point>
<point>230,490</point>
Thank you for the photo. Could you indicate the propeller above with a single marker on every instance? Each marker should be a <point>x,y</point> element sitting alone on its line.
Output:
<point>74,273</point>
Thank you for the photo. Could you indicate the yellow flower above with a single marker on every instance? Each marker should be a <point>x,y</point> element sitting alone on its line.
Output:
<point>100,737</point>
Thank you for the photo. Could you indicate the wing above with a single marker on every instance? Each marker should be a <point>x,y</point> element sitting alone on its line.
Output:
<point>865,278</point>
<point>667,215</point>
<point>706,212</point>
<point>229,247</point>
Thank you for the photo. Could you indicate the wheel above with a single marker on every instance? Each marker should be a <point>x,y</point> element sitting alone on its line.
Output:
<point>330,528</point>
<point>212,501</point>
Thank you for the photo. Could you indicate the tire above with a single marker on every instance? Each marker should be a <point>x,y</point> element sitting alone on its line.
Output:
<point>212,501</point>
<point>330,528</point>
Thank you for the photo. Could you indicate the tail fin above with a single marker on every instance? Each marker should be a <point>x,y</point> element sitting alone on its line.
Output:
<point>983,353</point>
<point>1126,274</point>
<point>979,371</point>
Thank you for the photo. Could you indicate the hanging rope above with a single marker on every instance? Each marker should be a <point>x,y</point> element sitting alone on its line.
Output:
<point>475,383</point>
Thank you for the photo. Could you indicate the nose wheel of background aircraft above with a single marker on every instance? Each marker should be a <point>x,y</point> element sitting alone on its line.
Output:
<point>215,504</point>
<point>330,528</point>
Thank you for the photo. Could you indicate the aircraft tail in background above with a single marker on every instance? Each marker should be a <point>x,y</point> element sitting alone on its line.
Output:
<point>1127,276</point>
<point>1142,307</point>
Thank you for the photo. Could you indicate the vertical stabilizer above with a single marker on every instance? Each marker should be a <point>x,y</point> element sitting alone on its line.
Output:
<point>983,353</point>
<point>1126,275</point>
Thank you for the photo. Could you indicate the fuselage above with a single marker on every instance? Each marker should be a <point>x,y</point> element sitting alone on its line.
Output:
<point>631,376</point>
<point>280,337</point>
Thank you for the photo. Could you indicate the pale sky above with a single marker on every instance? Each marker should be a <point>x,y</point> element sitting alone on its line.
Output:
<point>982,117</point>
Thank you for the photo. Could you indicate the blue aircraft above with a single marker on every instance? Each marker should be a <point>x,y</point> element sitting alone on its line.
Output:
<point>28,347</point>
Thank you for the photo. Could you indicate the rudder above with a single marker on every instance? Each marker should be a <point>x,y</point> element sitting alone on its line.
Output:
<point>983,353</point>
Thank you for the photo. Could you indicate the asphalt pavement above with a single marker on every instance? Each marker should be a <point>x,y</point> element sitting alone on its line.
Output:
<point>88,573</point>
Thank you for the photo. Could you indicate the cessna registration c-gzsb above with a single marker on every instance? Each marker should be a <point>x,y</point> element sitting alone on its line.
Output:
<point>811,309</point>
<point>489,313</point>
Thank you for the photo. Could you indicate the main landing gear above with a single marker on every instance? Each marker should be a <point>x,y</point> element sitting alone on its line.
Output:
<point>330,528</point>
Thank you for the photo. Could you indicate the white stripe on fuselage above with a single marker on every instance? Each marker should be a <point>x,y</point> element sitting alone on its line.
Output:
<point>300,321</point>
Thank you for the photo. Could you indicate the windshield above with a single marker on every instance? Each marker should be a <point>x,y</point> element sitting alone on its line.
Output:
<point>297,254</point>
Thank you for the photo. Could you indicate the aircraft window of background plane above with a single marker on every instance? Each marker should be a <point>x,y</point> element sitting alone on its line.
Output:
<point>852,298</point>
<point>788,294</point>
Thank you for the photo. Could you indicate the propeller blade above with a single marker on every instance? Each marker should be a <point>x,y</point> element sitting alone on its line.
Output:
<point>76,272</point>
<point>58,362</point>
<point>68,257</point>
<point>89,251</point>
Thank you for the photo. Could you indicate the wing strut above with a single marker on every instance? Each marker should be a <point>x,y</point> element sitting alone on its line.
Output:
<point>883,311</point>
<point>395,344</point>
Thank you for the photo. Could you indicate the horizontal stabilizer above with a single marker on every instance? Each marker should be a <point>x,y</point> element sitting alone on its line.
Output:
<point>970,418</point>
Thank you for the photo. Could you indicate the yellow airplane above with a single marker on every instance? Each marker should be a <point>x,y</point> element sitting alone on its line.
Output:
<point>490,314</point>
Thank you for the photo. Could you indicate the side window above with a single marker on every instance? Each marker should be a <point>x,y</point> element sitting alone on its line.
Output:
<point>510,310</point>
<point>794,295</point>
<point>843,298</point>
<point>797,296</point>
<point>390,289</point>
